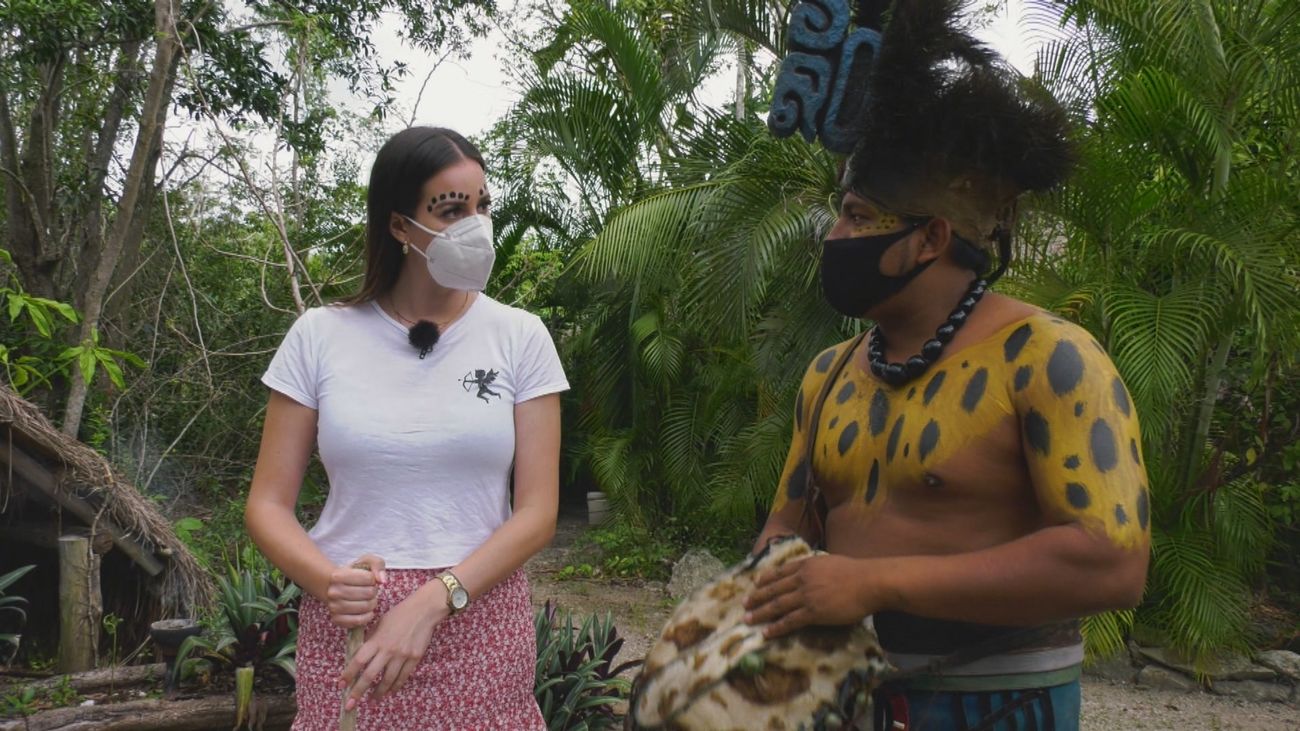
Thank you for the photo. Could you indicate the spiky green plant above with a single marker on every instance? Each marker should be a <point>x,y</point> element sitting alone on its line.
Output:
<point>13,604</point>
<point>577,684</point>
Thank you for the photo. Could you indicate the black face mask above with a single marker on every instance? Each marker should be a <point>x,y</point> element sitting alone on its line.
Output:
<point>851,278</point>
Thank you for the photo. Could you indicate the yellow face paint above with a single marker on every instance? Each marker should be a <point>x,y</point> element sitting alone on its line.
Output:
<point>885,223</point>
<point>869,219</point>
<point>1079,430</point>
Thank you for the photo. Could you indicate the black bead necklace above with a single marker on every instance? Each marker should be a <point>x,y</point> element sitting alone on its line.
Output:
<point>896,374</point>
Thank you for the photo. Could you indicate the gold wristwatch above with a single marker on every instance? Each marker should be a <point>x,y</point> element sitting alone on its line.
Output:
<point>457,596</point>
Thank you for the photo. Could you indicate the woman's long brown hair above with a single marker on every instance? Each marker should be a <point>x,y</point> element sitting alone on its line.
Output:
<point>402,167</point>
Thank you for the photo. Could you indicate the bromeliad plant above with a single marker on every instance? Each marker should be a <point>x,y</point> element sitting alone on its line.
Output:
<point>255,626</point>
<point>577,684</point>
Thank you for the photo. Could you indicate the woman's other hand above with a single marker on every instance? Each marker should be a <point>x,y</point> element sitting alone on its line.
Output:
<point>353,591</point>
<point>395,648</point>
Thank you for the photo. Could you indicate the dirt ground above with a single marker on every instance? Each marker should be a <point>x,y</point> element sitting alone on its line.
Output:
<point>640,609</point>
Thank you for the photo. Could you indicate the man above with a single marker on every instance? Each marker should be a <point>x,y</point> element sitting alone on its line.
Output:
<point>973,464</point>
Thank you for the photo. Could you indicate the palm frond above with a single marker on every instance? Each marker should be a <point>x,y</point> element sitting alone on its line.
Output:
<point>1156,342</point>
<point>1106,634</point>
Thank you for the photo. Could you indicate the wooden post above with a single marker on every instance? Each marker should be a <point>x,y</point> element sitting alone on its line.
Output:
<point>80,604</point>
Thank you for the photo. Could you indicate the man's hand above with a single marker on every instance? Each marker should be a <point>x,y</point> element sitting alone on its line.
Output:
<point>394,650</point>
<point>820,590</point>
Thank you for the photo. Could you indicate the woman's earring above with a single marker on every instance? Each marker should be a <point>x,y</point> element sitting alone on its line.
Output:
<point>405,248</point>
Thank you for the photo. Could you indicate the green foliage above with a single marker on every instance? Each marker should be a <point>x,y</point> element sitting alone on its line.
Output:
<point>21,702</point>
<point>1180,256</point>
<point>28,349</point>
<point>577,684</point>
<point>1106,634</point>
<point>90,356</point>
<point>13,604</point>
<point>30,355</point>
<point>704,292</point>
<point>63,694</point>
<point>622,550</point>
<point>255,625</point>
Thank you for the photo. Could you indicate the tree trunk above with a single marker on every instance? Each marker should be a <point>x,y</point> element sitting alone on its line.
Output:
<point>30,182</point>
<point>742,79</point>
<point>103,679</point>
<point>80,604</point>
<point>199,714</point>
<point>135,191</point>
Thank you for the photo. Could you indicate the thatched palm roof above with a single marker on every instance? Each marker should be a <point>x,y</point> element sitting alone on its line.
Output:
<point>84,484</point>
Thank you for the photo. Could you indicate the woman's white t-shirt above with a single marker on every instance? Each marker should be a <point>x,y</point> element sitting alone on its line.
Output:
<point>418,451</point>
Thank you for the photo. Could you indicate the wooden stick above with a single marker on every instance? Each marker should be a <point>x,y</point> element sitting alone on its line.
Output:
<point>356,638</point>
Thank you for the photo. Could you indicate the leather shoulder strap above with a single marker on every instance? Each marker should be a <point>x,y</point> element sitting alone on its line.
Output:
<point>814,507</point>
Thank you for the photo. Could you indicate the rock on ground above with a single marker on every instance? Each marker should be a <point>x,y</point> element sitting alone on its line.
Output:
<point>1118,669</point>
<point>1158,678</point>
<point>692,571</point>
<point>1231,667</point>
<point>1284,662</point>
<point>1256,691</point>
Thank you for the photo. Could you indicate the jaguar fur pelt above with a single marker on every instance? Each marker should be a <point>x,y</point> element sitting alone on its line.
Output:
<point>710,671</point>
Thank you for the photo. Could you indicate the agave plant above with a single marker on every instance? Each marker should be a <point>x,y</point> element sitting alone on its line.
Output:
<point>13,604</point>
<point>577,683</point>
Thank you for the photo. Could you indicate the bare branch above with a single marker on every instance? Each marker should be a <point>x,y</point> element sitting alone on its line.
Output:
<point>145,488</point>
<point>245,257</point>
<point>189,285</point>
<point>295,266</point>
<point>415,110</point>
<point>256,26</point>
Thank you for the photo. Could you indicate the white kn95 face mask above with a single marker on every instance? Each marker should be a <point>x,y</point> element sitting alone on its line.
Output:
<point>460,256</point>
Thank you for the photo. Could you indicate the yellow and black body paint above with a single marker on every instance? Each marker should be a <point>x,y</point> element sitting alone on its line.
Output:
<point>1078,427</point>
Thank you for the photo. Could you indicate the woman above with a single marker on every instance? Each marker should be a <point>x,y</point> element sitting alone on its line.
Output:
<point>423,395</point>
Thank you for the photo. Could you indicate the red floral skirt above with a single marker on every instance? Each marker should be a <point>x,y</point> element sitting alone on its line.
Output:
<point>477,673</point>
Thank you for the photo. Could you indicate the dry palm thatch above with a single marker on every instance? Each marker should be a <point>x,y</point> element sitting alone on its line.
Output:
<point>84,484</point>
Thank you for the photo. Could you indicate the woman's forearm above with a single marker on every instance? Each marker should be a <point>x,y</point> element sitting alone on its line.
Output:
<point>525,533</point>
<point>281,538</point>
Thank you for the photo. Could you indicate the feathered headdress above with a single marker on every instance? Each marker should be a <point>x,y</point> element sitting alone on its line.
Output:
<point>935,124</point>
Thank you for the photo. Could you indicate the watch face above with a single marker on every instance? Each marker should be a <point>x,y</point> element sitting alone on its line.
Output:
<point>459,598</point>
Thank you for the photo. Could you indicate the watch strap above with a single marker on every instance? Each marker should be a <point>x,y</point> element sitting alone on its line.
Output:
<point>452,583</point>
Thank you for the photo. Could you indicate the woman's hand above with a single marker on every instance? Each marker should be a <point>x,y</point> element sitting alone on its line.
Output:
<point>397,645</point>
<point>353,591</point>
<point>820,590</point>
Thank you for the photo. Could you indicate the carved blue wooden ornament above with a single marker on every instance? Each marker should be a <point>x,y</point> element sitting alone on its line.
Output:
<point>826,58</point>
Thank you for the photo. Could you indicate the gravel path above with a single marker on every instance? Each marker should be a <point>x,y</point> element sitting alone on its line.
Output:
<point>1108,706</point>
<point>640,609</point>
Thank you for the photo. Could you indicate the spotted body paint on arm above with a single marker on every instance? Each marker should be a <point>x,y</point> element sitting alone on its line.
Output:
<point>1081,435</point>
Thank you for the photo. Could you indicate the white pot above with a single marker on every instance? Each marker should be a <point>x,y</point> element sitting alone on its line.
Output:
<point>597,508</point>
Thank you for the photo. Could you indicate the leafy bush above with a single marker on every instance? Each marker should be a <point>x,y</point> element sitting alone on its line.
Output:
<point>623,550</point>
<point>255,624</point>
<point>576,683</point>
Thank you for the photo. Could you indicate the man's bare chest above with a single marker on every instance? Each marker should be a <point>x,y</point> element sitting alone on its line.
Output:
<point>953,428</point>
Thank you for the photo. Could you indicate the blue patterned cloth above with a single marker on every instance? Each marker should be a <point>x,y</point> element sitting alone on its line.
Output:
<point>1037,709</point>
